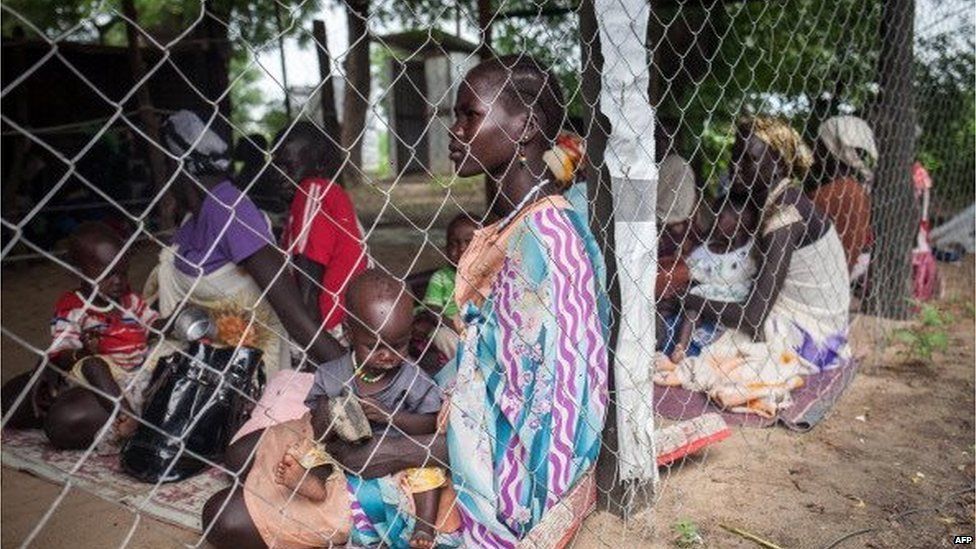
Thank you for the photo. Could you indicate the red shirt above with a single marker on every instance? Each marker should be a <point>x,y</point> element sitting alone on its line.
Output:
<point>848,205</point>
<point>121,333</point>
<point>322,226</point>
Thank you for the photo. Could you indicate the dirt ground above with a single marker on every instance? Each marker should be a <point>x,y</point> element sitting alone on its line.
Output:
<point>895,456</point>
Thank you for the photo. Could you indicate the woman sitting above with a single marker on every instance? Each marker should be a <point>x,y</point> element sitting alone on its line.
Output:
<point>795,321</point>
<point>530,383</point>
<point>223,256</point>
<point>838,182</point>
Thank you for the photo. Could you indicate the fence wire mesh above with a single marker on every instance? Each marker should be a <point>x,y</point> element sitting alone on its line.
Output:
<point>784,176</point>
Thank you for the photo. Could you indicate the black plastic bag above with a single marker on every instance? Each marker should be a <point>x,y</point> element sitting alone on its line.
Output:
<point>199,398</point>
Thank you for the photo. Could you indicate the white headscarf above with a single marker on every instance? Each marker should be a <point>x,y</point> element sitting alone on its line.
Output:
<point>851,141</point>
<point>675,190</point>
<point>184,130</point>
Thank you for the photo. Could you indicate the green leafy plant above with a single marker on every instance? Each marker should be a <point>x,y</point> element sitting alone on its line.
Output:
<point>928,335</point>
<point>688,534</point>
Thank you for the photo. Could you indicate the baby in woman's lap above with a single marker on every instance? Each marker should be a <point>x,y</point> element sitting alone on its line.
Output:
<point>722,269</point>
<point>398,397</point>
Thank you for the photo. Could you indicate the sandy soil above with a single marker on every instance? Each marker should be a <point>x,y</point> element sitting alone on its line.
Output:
<point>896,455</point>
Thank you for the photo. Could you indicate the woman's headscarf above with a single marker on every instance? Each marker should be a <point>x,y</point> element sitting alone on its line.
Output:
<point>206,153</point>
<point>565,157</point>
<point>675,190</point>
<point>851,141</point>
<point>781,137</point>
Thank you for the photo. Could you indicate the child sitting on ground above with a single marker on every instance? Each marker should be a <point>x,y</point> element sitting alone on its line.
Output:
<point>399,398</point>
<point>722,269</point>
<point>100,333</point>
<point>437,315</point>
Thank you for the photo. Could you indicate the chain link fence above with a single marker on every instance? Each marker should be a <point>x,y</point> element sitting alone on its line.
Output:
<point>764,180</point>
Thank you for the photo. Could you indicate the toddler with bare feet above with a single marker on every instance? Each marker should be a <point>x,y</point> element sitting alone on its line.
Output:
<point>398,397</point>
<point>100,333</point>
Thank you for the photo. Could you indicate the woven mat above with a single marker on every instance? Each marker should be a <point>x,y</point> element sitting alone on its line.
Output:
<point>177,503</point>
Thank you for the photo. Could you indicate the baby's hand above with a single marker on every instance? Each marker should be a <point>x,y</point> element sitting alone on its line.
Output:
<point>679,354</point>
<point>375,412</point>
<point>89,339</point>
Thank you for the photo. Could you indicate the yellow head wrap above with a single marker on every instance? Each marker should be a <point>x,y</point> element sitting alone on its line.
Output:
<point>786,141</point>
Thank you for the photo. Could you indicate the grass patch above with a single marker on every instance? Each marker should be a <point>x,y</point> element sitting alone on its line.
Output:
<point>688,534</point>
<point>928,336</point>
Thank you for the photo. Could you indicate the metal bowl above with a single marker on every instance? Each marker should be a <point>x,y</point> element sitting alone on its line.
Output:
<point>192,324</point>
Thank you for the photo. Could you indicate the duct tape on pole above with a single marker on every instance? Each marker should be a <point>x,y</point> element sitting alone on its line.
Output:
<point>629,157</point>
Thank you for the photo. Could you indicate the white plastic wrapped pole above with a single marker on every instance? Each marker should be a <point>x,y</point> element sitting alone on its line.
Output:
<point>629,157</point>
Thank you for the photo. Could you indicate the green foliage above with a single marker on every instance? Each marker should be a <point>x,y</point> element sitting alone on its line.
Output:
<point>786,58</point>
<point>274,119</point>
<point>688,534</point>
<point>421,14</point>
<point>553,41</point>
<point>384,168</point>
<point>53,18</point>
<point>803,59</point>
<point>457,184</point>
<point>99,21</point>
<point>945,103</point>
<point>245,96</point>
<point>928,335</point>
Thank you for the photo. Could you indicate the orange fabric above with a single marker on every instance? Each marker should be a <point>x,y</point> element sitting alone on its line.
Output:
<point>848,206</point>
<point>294,522</point>
<point>485,255</point>
<point>289,520</point>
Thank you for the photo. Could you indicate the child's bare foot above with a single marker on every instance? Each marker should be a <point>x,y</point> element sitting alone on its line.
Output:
<point>662,363</point>
<point>126,425</point>
<point>423,531</point>
<point>290,474</point>
<point>423,536</point>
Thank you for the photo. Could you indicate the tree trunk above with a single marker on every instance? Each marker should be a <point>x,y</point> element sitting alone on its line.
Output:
<point>485,17</point>
<point>148,119</point>
<point>894,212</point>
<point>611,491</point>
<point>216,52</point>
<point>355,102</point>
<point>281,58</point>
<point>330,117</point>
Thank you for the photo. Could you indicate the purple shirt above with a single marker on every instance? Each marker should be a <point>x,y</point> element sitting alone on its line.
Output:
<point>206,244</point>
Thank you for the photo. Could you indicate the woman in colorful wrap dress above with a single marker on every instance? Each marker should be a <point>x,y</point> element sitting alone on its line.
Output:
<point>528,390</point>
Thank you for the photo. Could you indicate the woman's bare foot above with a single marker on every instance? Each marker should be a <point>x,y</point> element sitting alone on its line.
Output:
<point>290,474</point>
<point>423,536</point>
